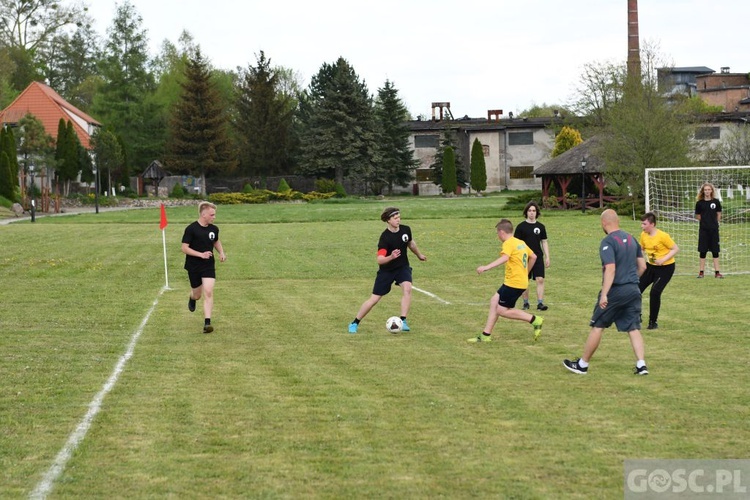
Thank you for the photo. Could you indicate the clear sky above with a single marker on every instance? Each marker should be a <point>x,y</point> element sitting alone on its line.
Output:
<point>475,54</point>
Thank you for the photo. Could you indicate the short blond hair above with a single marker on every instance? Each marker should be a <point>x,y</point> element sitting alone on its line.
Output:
<point>205,205</point>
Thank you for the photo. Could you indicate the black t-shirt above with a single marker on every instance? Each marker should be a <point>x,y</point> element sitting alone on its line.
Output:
<point>532,235</point>
<point>708,209</point>
<point>200,239</point>
<point>390,241</point>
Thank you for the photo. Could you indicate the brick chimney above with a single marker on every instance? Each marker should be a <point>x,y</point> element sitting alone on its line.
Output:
<point>634,46</point>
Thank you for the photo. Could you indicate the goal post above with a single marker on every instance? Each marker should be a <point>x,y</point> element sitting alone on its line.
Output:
<point>671,194</point>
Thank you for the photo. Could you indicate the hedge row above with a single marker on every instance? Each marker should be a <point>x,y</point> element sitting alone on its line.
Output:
<point>264,196</point>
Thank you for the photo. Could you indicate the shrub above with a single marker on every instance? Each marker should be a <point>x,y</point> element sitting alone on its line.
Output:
<point>283,186</point>
<point>177,191</point>
<point>325,185</point>
<point>340,191</point>
<point>248,188</point>
<point>519,201</point>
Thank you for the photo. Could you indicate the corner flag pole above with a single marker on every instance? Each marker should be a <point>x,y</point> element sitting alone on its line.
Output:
<point>163,226</point>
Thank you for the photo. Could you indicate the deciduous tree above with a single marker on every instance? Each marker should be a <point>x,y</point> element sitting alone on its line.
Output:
<point>567,138</point>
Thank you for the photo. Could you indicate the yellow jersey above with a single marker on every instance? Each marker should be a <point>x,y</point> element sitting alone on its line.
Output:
<point>657,246</point>
<point>517,267</point>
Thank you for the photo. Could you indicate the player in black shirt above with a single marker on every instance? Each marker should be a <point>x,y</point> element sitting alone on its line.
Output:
<point>394,266</point>
<point>534,234</point>
<point>198,244</point>
<point>708,212</point>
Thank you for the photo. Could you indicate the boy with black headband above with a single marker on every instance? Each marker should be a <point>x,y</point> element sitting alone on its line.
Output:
<point>394,266</point>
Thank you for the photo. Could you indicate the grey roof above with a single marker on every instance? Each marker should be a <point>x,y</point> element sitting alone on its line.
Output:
<point>480,124</point>
<point>570,161</point>
<point>698,70</point>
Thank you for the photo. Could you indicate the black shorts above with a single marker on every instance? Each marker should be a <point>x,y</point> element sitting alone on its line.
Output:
<point>509,296</point>
<point>708,241</point>
<point>385,279</point>
<point>196,278</point>
<point>623,309</point>
<point>538,270</point>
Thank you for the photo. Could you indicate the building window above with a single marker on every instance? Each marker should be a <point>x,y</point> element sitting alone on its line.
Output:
<point>704,133</point>
<point>522,172</point>
<point>425,175</point>
<point>520,138</point>
<point>486,149</point>
<point>426,141</point>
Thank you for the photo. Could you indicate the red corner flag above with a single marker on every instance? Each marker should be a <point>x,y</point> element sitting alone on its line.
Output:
<point>163,220</point>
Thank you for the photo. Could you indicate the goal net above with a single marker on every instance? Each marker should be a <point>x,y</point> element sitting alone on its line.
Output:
<point>671,193</point>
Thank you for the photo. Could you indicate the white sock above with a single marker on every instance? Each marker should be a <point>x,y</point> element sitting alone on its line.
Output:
<point>640,363</point>
<point>582,363</point>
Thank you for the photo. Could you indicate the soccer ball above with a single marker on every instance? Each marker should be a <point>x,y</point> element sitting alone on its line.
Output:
<point>394,324</point>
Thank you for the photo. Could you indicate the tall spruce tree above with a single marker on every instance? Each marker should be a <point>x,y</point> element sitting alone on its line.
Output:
<point>339,136</point>
<point>395,159</point>
<point>124,100</point>
<point>264,121</point>
<point>198,142</point>
<point>478,167</point>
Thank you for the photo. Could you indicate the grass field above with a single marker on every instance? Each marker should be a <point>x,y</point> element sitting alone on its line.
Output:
<point>281,402</point>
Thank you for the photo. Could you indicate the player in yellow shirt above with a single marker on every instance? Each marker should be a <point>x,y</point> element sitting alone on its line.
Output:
<point>659,250</point>
<point>519,259</point>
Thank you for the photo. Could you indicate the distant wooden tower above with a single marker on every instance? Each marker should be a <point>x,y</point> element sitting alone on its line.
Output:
<point>634,46</point>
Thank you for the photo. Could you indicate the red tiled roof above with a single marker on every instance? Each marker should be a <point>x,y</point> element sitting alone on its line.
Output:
<point>48,107</point>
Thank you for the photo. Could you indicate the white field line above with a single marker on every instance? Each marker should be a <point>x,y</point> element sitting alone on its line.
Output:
<point>431,295</point>
<point>58,466</point>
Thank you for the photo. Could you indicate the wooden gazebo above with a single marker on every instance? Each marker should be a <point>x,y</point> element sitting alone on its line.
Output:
<point>568,168</point>
<point>155,173</point>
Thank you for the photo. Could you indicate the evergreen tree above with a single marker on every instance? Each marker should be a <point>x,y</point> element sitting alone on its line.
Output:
<point>449,183</point>
<point>566,139</point>
<point>198,142</point>
<point>447,139</point>
<point>7,186</point>
<point>264,121</point>
<point>72,156</point>
<point>124,100</point>
<point>339,136</point>
<point>478,167</point>
<point>8,145</point>
<point>396,161</point>
<point>61,155</point>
